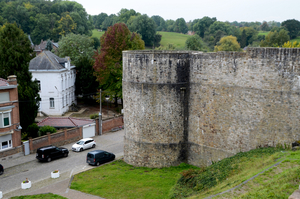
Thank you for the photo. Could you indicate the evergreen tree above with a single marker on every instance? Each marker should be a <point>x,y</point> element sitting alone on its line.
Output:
<point>243,39</point>
<point>49,45</point>
<point>15,55</point>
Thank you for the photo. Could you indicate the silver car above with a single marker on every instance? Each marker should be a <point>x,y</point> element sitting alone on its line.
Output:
<point>83,144</point>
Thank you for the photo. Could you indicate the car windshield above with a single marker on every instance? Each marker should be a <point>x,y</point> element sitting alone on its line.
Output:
<point>80,142</point>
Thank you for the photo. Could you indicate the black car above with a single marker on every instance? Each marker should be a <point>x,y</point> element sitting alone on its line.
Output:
<point>48,153</point>
<point>97,157</point>
<point>1,169</point>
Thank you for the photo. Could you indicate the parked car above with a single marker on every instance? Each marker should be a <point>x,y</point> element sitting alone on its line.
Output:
<point>83,144</point>
<point>98,157</point>
<point>48,153</point>
<point>1,169</point>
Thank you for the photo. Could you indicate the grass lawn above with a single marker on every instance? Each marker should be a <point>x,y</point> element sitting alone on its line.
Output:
<point>120,180</point>
<point>263,32</point>
<point>177,39</point>
<point>97,33</point>
<point>44,196</point>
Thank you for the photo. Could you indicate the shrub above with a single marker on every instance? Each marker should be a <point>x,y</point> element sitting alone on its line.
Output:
<point>45,129</point>
<point>94,116</point>
<point>32,130</point>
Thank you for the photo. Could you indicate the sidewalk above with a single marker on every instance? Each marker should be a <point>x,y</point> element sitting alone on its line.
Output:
<point>58,186</point>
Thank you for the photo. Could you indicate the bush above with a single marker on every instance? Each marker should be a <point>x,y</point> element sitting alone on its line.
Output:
<point>45,129</point>
<point>32,130</point>
<point>94,116</point>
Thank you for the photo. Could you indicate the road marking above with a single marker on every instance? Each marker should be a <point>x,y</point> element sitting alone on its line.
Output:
<point>83,167</point>
<point>67,190</point>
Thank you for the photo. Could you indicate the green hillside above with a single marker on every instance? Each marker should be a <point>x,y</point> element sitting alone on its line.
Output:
<point>177,39</point>
<point>97,33</point>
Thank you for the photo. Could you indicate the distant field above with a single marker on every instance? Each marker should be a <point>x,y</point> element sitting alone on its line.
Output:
<point>297,39</point>
<point>263,32</point>
<point>177,39</point>
<point>97,33</point>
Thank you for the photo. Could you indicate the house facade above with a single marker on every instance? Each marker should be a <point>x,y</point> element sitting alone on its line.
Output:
<point>56,77</point>
<point>10,129</point>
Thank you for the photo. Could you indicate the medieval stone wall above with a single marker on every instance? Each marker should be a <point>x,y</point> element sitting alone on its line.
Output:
<point>202,107</point>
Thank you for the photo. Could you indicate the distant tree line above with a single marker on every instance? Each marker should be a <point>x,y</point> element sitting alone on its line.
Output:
<point>42,19</point>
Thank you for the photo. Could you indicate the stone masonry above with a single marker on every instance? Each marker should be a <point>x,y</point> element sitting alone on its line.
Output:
<point>195,107</point>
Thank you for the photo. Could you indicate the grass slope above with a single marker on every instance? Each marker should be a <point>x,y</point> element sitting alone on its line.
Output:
<point>296,39</point>
<point>120,180</point>
<point>177,39</point>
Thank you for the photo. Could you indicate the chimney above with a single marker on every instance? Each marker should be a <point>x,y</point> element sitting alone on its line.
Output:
<point>12,80</point>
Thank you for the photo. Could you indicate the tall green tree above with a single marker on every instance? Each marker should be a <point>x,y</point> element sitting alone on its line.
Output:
<point>15,55</point>
<point>75,47</point>
<point>180,26</point>
<point>144,26</point>
<point>293,26</point>
<point>108,63</point>
<point>202,25</point>
<point>86,83</point>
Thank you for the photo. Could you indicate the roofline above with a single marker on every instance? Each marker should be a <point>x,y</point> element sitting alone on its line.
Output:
<point>49,71</point>
<point>8,87</point>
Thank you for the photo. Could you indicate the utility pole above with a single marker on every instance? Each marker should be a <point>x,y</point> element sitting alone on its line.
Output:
<point>100,115</point>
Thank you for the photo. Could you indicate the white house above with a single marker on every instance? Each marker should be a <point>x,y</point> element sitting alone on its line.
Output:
<point>56,78</point>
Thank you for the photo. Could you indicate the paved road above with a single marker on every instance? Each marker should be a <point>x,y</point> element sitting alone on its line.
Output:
<point>18,169</point>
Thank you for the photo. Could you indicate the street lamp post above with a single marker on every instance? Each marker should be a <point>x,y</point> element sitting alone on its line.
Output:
<point>107,98</point>
<point>100,116</point>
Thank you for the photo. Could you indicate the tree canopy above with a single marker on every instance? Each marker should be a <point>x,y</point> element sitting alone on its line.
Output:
<point>44,19</point>
<point>195,43</point>
<point>228,43</point>
<point>75,46</point>
<point>293,26</point>
<point>144,26</point>
<point>15,55</point>
<point>108,63</point>
<point>275,39</point>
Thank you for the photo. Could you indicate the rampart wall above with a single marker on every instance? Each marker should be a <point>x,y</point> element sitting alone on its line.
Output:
<point>199,107</point>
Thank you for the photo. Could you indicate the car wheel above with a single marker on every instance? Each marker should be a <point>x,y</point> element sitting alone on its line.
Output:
<point>49,159</point>
<point>98,163</point>
<point>81,149</point>
<point>66,155</point>
<point>93,146</point>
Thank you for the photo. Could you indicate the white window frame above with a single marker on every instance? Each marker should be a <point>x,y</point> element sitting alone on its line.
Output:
<point>9,145</point>
<point>2,118</point>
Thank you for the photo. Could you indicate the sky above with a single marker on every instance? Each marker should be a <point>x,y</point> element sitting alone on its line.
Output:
<point>223,10</point>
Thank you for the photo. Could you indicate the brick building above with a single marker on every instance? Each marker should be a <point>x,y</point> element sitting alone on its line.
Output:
<point>10,129</point>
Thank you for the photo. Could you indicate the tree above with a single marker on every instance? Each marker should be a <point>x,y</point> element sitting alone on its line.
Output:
<point>275,39</point>
<point>264,26</point>
<point>251,35</point>
<point>15,55</point>
<point>202,25</point>
<point>49,45</point>
<point>289,44</point>
<point>243,39</point>
<point>86,84</point>
<point>195,43</point>
<point>96,43</point>
<point>66,25</point>
<point>108,63</point>
<point>75,47</point>
<point>144,26</point>
<point>98,20</point>
<point>125,14</point>
<point>180,26</point>
<point>228,43</point>
<point>293,26</point>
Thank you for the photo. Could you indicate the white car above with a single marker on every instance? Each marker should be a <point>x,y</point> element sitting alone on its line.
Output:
<point>83,144</point>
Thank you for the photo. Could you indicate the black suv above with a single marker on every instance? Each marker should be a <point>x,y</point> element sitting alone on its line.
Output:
<point>1,169</point>
<point>48,153</point>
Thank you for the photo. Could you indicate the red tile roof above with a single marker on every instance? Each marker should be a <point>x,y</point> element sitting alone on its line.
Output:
<point>3,82</point>
<point>64,122</point>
